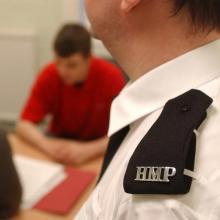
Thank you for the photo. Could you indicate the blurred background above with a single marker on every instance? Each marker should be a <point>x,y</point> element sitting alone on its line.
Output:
<point>27,30</point>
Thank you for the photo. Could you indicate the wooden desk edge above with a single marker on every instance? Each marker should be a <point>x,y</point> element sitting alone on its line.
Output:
<point>20,147</point>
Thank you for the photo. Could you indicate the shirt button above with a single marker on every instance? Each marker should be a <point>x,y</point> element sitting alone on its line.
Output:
<point>185,108</point>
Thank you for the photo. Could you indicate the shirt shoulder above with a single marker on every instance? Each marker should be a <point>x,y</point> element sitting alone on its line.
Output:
<point>49,73</point>
<point>47,80</point>
<point>108,75</point>
<point>105,67</point>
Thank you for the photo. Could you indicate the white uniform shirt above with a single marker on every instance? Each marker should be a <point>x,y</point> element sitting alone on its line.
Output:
<point>140,105</point>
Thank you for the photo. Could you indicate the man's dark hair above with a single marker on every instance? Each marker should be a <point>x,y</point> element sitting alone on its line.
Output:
<point>205,14</point>
<point>71,39</point>
<point>10,187</point>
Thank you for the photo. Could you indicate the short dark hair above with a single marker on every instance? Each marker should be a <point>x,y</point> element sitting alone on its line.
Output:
<point>71,39</point>
<point>205,14</point>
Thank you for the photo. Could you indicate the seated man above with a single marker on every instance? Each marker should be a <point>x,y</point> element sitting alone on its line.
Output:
<point>77,90</point>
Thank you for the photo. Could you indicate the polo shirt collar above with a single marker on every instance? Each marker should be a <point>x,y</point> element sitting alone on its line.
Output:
<point>151,91</point>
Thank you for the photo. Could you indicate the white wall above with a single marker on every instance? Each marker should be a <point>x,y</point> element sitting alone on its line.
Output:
<point>17,70</point>
<point>44,16</point>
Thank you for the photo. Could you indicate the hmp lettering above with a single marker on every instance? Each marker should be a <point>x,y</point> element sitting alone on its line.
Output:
<point>155,174</point>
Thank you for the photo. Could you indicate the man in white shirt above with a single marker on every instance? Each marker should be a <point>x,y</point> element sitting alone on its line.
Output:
<point>167,48</point>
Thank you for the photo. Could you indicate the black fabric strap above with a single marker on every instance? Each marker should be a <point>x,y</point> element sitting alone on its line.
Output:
<point>158,163</point>
<point>114,143</point>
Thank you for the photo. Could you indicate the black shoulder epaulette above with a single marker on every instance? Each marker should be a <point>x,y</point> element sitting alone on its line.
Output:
<point>158,163</point>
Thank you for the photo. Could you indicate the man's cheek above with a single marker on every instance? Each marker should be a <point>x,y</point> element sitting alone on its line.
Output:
<point>88,7</point>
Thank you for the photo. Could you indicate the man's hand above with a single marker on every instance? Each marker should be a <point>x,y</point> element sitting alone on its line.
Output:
<point>62,150</point>
<point>65,151</point>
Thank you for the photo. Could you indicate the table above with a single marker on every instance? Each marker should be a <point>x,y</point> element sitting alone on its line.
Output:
<point>21,147</point>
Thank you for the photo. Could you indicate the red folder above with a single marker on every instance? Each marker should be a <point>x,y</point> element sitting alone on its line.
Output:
<point>62,198</point>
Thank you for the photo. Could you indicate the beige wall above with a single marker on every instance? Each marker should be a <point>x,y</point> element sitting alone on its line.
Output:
<point>44,16</point>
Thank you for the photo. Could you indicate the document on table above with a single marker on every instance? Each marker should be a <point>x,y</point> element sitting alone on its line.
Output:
<point>38,178</point>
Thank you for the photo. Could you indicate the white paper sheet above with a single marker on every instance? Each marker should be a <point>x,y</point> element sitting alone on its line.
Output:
<point>37,178</point>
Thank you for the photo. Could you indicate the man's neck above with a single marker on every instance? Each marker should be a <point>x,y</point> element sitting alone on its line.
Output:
<point>141,52</point>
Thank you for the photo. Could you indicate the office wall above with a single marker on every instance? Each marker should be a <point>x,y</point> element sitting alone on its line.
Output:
<point>17,70</point>
<point>44,16</point>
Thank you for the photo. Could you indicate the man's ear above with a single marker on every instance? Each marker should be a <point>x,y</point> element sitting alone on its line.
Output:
<point>128,5</point>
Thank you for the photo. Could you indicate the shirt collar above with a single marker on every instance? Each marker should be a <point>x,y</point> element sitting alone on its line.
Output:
<point>151,91</point>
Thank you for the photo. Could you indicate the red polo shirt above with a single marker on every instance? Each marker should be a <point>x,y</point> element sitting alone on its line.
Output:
<point>79,112</point>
